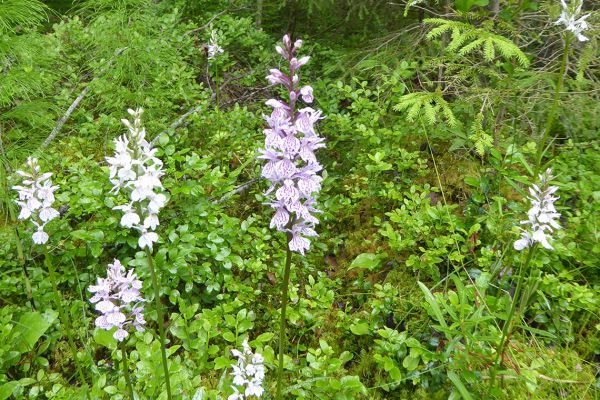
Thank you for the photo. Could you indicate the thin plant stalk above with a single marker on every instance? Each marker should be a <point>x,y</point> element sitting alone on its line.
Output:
<point>126,370</point>
<point>284,300</point>
<point>65,320</point>
<point>217,88</point>
<point>508,325</point>
<point>552,115</point>
<point>159,317</point>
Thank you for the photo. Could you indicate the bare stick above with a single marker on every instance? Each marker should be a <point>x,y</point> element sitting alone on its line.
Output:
<point>237,190</point>
<point>65,117</point>
<point>61,122</point>
<point>178,122</point>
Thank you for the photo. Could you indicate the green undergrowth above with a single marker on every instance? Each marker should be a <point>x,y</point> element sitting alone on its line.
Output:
<point>432,141</point>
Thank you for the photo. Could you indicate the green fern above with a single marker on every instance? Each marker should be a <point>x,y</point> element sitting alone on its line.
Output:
<point>431,106</point>
<point>466,38</point>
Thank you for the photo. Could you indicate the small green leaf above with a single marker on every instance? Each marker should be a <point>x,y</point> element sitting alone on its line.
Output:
<point>360,329</point>
<point>410,363</point>
<point>229,336</point>
<point>472,181</point>
<point>222,362</point>
<point>368,261</point>
<point>265,337</point>
<point>105,338</point>
<point>7,389</point>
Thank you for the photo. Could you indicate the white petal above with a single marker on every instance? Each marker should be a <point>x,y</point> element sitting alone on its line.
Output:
<point>40,237</point>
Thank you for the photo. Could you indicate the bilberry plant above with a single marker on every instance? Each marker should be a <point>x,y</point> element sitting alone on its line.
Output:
<point>569,17</point>
<point>541,216</point>
<point>36,197</point>
<point>117,297</point>
<point>290,143</point>
<point>136,170</point>
<point>248,374</point>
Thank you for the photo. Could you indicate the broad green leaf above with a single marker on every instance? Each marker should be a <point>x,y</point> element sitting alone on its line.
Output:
<point>29,329</point>
<point>199,395</point>
<point>410,363</point>
<point>105,338</point>
<point>229,336</point>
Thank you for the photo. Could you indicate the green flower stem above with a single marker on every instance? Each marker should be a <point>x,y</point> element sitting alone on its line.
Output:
<point>552,115</point>
<point>64,319</point>
<point>19,244</point>
<point>217,88</point>
<point>126,370</point>
<point>284,300</point>
<point>508,325</point>
<point>161,326</point>
<point>21,256</point>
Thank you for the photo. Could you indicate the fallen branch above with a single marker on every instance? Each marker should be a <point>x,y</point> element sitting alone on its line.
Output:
<point>177,123</point>
<point>65,117</point>
<point>61,122</point>
<point>237,190</point>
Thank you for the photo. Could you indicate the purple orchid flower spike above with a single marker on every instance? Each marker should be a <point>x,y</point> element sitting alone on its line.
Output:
<point>542,217</point>
<point>290,142</point>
